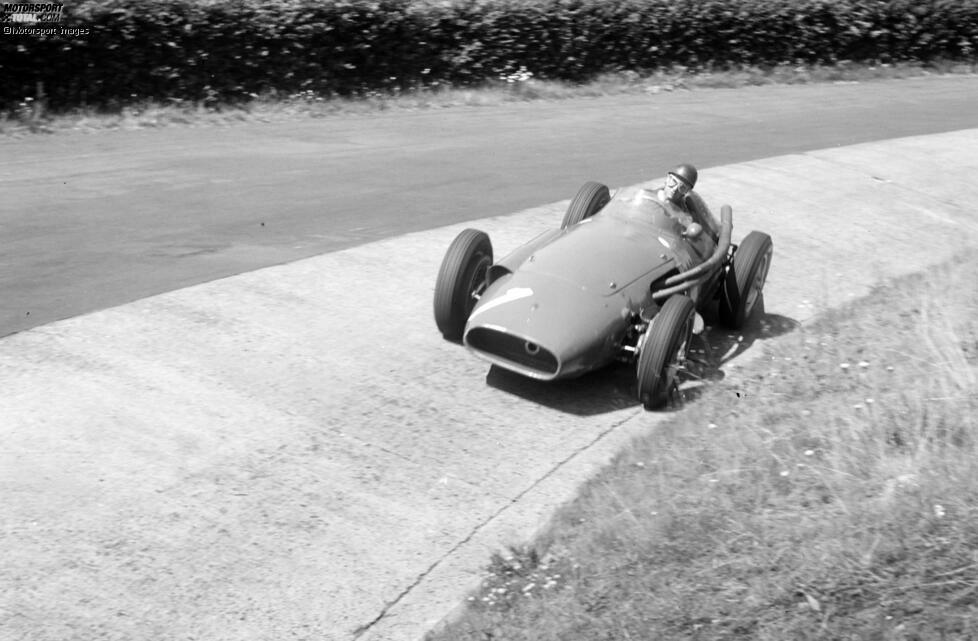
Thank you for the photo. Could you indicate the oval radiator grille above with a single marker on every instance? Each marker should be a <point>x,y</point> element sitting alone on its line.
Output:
<point>512,348</point>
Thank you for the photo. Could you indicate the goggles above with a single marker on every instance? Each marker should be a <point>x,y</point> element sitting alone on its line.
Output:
<point>674,183</point>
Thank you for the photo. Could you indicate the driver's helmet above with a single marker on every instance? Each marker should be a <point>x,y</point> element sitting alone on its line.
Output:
<point>686,173</point>
<point>680,181</point>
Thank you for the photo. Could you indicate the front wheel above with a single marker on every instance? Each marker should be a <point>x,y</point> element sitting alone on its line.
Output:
<point>664,350</point>
<point>590,198</point>
<point>744,283</point>
<point>461,279</point>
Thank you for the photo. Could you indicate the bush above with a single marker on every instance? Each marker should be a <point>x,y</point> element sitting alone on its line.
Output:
<point>227,51</point>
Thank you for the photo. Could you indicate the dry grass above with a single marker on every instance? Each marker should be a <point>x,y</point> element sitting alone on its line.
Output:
<point>30,118</point>
<point>835,498</point>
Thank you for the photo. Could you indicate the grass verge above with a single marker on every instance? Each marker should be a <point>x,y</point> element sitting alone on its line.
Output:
<point>829,492</point>
<point>30,117</point>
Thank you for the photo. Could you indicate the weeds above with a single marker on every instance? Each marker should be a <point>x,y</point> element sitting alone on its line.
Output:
<point>519,86</point>
<point>837,499</point>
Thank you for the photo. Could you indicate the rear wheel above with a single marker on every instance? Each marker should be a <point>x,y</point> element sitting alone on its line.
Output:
<point>590,198</point>
<point>461,279</point>
<point>663,353</point>
<point>744,283</point>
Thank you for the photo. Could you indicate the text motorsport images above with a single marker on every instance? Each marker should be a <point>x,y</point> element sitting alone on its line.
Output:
<point>36,19</point>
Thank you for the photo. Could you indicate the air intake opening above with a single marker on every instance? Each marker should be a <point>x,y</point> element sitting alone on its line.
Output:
<point>514,349</point>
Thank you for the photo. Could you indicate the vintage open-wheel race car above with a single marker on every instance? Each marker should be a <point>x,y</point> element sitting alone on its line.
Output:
<point>621,279</point>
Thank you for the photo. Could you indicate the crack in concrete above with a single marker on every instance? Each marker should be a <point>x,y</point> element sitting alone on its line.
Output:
<point>363,629</point>
<point>902,186</point>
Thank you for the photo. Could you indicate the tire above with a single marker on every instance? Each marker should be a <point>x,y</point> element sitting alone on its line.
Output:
<point>590,198</point>
<point>664,351</point>
<point>743,284</point>
<point>461,278</point>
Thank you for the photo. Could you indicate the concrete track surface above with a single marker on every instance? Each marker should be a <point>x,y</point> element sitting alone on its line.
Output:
<point>295,453</point>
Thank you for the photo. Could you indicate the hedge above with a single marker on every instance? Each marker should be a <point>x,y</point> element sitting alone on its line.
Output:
<point>234,50</point>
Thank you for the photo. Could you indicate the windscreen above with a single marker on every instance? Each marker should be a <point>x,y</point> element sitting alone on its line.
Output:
<point>636,204</point>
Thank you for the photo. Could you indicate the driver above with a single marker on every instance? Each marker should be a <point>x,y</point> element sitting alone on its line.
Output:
<point>683,203</point>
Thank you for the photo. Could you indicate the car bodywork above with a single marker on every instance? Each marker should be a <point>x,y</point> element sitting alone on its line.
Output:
<point>575,299</point>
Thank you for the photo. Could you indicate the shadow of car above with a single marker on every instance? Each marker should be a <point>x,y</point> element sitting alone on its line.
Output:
<point>612,388</point>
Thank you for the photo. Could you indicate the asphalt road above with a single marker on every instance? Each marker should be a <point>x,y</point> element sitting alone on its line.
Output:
<point>90,221</point>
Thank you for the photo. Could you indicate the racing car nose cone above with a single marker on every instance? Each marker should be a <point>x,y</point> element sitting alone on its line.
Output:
<point>541,326</point>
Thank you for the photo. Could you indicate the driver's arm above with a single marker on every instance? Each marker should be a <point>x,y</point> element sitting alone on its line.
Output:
<point>701,213</point>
